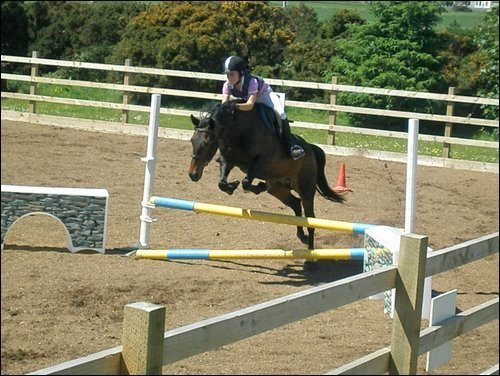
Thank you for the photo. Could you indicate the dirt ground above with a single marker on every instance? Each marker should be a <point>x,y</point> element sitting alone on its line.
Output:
<point>57,306</point>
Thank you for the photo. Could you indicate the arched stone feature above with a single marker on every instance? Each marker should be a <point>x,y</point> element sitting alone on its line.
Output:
<point>82,211</point>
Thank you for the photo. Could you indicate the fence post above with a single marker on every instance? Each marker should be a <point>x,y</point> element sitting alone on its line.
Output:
<point>448,126</point>
<point>34,73</point>
<point>126,94</point>
<point>332,115</point>
<point>143,331</point>
<point>408,305</point>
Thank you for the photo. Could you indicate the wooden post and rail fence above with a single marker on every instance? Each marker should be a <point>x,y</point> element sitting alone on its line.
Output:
<point>147,348</point>
<point>333,108</point>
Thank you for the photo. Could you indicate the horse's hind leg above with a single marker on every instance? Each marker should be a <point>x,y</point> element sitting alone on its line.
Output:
<point>286,197</point>
<point>307,199</point>
<point>309,212</point>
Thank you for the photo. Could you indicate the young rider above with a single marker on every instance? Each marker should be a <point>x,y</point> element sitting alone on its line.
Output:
<point>253,89</point>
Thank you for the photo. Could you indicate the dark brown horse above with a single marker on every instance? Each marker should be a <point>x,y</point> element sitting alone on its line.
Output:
<point>248,142</point>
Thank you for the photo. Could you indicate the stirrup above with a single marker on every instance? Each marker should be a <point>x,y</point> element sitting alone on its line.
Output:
<point>297,152</point>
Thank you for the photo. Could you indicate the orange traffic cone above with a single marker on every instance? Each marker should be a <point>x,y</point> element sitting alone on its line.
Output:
<point>341,185</point>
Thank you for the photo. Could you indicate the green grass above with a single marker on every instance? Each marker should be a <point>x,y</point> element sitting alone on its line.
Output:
<point>181,122</point>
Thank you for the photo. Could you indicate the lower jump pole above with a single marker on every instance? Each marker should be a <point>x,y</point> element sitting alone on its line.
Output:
<point>199,207</point>
<point>254,254</point>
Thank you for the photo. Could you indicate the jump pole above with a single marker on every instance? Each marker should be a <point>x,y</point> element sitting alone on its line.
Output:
<point>199,207</point>
<point>251,254</point>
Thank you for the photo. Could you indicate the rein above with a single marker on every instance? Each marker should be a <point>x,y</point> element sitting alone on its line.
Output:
<point>219,137</point>
<point>229,123</point>
<point>207,130</point>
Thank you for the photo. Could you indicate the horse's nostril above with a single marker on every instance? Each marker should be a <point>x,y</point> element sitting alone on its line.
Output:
<point>194,176</point>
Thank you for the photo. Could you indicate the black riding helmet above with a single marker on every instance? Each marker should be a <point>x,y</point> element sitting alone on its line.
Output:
<point>234,63</point>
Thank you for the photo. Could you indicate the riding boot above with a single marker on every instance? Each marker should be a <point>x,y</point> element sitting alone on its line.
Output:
<point>290,142</point>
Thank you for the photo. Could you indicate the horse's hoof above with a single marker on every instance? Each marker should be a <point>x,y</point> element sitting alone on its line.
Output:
<point>246,184</point>
<point>225,187</point>
<point>262,187</point>
<point>233,185</point>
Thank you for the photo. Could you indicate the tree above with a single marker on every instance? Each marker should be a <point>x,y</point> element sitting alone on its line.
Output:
<point>459,69</point>
<point>59,31</point>
<point>197,36</point>
<point>105,27</point>
<point>337,24</point>
<point>303,20</point>
<point>79,31</point>
<point>15,37</point>
<point>487,41</point>
<point>396,51</point>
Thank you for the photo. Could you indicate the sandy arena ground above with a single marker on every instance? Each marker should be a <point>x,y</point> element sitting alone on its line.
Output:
<point>58,306</point>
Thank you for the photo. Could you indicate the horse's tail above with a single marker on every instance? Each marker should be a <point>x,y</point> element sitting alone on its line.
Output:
<point>322,185</point>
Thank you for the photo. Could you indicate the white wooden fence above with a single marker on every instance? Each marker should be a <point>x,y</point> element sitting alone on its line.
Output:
<point>151,351</point>
<point>332,108</point>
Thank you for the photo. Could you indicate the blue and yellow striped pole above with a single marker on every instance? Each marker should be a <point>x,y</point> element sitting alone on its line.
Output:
<point>199,207</point>
<point>254,254</point>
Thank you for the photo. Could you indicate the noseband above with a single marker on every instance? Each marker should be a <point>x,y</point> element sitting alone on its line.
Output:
<point>207,130</point>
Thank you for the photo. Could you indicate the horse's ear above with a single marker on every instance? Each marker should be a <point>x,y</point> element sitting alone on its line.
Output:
<point>195,121</point>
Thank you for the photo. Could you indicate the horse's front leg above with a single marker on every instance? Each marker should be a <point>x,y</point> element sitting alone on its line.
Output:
<point>250,176</point>
<point>224,170</point>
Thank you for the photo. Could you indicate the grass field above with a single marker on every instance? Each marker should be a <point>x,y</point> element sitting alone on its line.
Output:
<point>326,9</point>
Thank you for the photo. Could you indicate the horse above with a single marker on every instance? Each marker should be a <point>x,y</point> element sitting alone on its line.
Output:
<point>245,140</point>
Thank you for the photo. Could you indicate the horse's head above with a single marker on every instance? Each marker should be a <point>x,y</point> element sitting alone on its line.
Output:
<point>204,143</point>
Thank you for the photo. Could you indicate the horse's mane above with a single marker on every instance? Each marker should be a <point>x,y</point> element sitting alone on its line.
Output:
<point>216,107</point>
<point>221,112</point>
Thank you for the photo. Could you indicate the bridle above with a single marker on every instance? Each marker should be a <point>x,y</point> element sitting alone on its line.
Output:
<point>206,129</point>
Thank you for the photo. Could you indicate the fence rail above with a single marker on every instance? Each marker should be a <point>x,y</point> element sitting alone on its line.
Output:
<point>193,339</point>
<point>332,108</point>
<point>273,81</point>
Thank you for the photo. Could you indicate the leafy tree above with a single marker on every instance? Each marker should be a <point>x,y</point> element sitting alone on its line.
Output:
<point>174,35</point>
<point>307,58</point>
<point>396,51</point>
<point>38,14</point>
<point>256,30</point>
<point>197,36</point>
<point>74,30</point>
<point>15,37</point>
<point>337,24</point>
<point>104,29</point>
<point>471,65</point>
<point>457,45</point>
<point>487,40</point>
<point>59,33</point>
<point>307,62</point>
<point>303,21</point>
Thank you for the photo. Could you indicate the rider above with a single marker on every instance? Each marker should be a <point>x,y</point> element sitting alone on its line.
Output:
<point>253,89</point>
